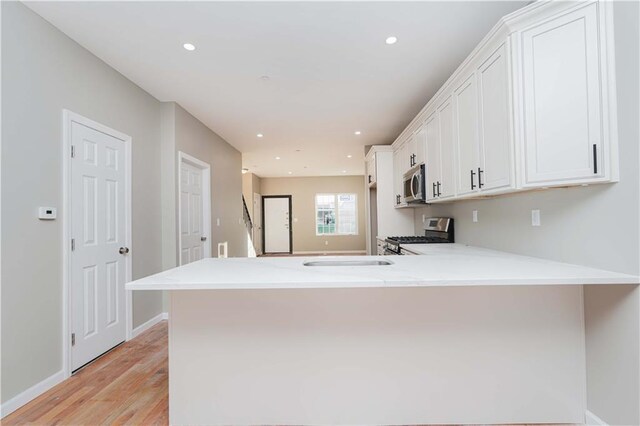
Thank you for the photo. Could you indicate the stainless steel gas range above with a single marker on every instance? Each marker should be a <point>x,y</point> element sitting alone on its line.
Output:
<point>437,230</point>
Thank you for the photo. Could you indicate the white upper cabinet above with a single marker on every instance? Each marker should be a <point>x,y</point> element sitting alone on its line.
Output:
<point>496,147</point>
<point>533,106</point>
<point>562,99</point>
<point>371,170</point>
<point>447,152</point>
<point>398,171</point>
<point>431,130</point>
<point>465,102</point>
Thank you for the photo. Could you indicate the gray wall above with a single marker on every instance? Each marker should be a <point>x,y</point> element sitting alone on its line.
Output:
<point>44,72</point>
<point>596,226</point>
<point>197,140</point>
<point>183,132</point>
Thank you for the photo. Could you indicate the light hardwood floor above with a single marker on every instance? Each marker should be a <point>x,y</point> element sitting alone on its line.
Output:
<point>128,385</point>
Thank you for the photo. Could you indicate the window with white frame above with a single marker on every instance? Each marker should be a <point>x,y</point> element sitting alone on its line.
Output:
<point>336,214</point>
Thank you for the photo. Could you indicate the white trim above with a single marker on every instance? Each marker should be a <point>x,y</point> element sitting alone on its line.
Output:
<point>30,394</point>
<point>206,201</point>
<point>592,419</point>
<point>69,117</point>
<point>165,315</point>
<point>147,325</point>
<point>331,252</point>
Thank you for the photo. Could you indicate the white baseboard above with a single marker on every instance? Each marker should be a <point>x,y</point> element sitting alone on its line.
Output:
<point>591,419</point>
<point>30,394</point>
<point>329,252</point>
<point>147,325</point>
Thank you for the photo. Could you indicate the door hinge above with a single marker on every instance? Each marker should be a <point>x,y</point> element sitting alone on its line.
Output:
<point>73,151</point>
<point>73,244</point>
<point>73,339</point>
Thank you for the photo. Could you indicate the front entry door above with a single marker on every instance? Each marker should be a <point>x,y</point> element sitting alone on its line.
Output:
<point>98,230</point>
<point>192,235</point>
<point>277,223</point>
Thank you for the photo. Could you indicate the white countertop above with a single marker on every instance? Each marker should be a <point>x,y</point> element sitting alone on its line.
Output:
<point>441,265</point>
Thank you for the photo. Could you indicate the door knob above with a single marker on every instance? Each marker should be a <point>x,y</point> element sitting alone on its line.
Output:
<point>203,238</point>
<point>124,250</point>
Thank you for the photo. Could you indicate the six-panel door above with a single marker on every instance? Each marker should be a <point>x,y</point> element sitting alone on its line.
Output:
<point>98,222</point>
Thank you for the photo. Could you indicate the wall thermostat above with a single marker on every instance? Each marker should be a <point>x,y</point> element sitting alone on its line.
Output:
<point>47,213</point>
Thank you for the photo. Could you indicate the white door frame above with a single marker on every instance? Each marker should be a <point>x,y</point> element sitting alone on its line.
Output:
<point>183,157</point>
<point>69,117</point>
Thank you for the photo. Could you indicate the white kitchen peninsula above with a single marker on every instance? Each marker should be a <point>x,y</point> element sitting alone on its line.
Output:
<point>459,335</point>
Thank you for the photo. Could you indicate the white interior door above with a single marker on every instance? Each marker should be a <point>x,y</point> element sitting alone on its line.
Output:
<point>98,267</point>
<point>277,238</point>
<point>193,207</point>
<point>257,223</point>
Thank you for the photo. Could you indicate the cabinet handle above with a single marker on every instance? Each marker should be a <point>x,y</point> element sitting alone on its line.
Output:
<point>369,178</point>
<point>473,186</point>
<point>595,159</point>
<point>438,188</point>
<point>480,184</point>
<point>433,189</point>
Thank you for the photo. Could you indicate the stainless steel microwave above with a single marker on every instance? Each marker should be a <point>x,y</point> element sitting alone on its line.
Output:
<point>413,185</point>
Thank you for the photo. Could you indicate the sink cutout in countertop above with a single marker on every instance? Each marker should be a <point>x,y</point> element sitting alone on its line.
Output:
<point>383,262</point>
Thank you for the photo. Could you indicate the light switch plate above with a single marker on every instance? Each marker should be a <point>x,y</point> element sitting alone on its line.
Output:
<point>424,218</point>
<point>535,217</point>
<point>217,221</point>
<point>475,215</point>
<point>47,213</point>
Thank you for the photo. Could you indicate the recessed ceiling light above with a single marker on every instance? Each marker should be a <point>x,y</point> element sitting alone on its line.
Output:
<point>357,133</point>
<point>290,173</point>
<point>277,158</point>
<point>344,171</point>
<point>391,40</point>
<point>190,47</point>
<point>349,156</point>
<point>259,135</point>
<point>244,170</point>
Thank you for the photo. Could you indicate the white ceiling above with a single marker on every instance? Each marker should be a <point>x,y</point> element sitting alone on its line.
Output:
<point>330,71</point>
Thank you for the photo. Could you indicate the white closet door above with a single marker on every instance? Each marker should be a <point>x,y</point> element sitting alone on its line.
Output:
<point>191,214</point>
<point>98,269</point>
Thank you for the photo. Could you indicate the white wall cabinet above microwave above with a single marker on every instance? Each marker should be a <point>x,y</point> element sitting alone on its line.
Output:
<point>533,106</point>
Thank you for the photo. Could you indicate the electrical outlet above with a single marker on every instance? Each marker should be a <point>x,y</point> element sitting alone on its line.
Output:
<point>475,215</point>
<point>535,217</point>
<point>424,218</point>
<point>326,243</point>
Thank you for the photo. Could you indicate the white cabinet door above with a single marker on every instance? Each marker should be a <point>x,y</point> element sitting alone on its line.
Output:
<point>371,170</point>
<point>447,152</point>
<point>397,176</point>
<point>466,135</point>
<point>496,157</point>
<point>561,94</point>
<point>419,146</point>
<point>431,132</point>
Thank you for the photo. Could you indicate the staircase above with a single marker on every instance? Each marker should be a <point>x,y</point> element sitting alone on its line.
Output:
<point>248,223</point>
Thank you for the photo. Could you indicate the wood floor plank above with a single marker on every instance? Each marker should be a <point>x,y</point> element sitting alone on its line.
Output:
<point>128,385</point>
